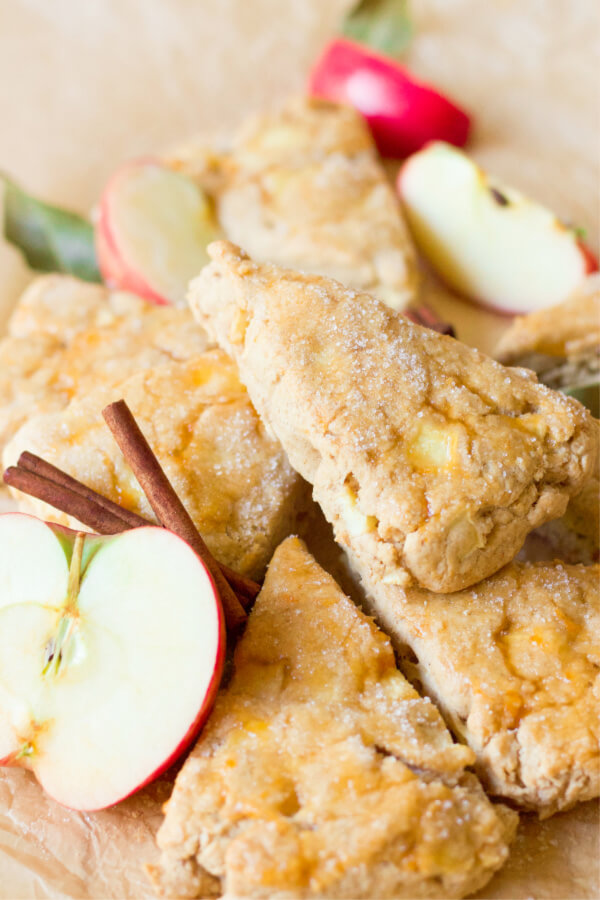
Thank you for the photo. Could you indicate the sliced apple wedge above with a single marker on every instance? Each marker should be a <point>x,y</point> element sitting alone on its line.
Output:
<point>152,232</point>
<point>486,240</point>
<point>111,653</point>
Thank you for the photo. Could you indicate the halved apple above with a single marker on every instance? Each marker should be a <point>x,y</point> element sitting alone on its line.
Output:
<point>487,241</point>
<point>111,653</point>
<point>152,231</point>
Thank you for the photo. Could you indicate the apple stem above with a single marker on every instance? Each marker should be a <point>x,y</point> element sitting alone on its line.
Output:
<point>75,570</point>
<point>54,650</point>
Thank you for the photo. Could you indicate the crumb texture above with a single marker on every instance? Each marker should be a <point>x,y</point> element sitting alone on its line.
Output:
<point>65,337</point>
<point>234,479</point>
<point>304,188</point>
<point>432,461</point>
<point>514,665</point>
<point>321,772</point>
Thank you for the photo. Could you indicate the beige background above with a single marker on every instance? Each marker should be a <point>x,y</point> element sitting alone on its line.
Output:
<point>86,83</point>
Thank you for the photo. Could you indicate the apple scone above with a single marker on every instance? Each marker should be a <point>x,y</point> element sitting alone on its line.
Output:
<point>514,665</point>
<point>234,479</point>
<point>304,188</point>
<point>65,337</point>
<point>562,345</point>
<point>321,772</point>
<point>432,461</point>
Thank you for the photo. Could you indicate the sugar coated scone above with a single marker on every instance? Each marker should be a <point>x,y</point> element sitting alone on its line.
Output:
<point>321,772</point>
<point>305,189</point>
<point>514,665</point>
<point>234,480</point>
<point>432,461</point>
<point>66,337</point>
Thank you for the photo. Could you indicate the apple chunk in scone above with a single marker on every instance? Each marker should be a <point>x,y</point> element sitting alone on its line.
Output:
<point>432,461</point>
<point>321,772</point>
<point>233,479</point>
<point>111,652</point>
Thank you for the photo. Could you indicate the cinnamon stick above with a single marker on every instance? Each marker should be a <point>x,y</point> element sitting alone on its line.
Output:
<point>60,497</point>
<point>167,506</point>
<point>39,466</point>
<point>425,316</point>
<point>68,501</point>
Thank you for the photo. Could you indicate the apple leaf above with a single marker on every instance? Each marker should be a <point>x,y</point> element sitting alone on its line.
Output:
<point>383,25</point>
<point>50,239</point>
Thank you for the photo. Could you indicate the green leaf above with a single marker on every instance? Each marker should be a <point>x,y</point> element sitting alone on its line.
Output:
<point>588,394</point>
<point>384,25</point>
<point>50,239</point>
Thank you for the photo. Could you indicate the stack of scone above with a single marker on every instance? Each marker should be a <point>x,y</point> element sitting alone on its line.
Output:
<point>322,772</point>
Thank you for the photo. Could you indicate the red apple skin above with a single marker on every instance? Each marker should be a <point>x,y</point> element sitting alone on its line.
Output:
<point>204,711</point>
<point>114,268</point>
<point>591,262</point>
<point>404,114</point>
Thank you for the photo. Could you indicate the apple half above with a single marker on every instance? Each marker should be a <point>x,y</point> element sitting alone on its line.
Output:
<point>487,241</point>
<point>153,228</point>
<point>111,653</point>
<point>403,113</point>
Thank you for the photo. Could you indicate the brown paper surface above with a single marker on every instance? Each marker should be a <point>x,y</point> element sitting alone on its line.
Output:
<point>87,83</point>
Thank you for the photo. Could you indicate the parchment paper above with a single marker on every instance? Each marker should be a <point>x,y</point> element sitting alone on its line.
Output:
<point>87,83</point>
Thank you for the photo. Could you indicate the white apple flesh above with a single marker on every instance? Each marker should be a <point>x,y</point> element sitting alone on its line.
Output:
<point>487,241</point>
<point>111,653</point>
<point>153,228</point>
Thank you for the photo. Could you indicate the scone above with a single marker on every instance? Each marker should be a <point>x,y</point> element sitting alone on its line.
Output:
<point>321,772</point>
<point>234,480</point>
<point>432,461</point>
<point>66,337</point>
<point>562,345</point>
<point>514,665</point>
<point>304,188</point>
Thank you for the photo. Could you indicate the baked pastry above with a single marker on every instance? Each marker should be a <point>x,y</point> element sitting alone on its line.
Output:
<point>65,337</point>
<point>432,461</point>
<point>562,345</point>
<point>513,663</point>
<point>304,188</point>
<point>321,772</point>
<point>234,480</point>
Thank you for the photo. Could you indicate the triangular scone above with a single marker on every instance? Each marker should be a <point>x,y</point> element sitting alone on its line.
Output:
<point>514,664</point>
<point>65,337</point>
<point>321,772</point>
<point>431,460</point>
<point>234,479</point>
<point>305,189</point>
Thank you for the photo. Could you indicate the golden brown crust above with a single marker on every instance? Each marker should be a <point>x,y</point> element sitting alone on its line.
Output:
<point>66,337</point>
<point>514,665</point>
<point>234,480</point>
<point>321,773</point>
<point>305,189</point>
<point>567,330</point>
<point>432,461</point>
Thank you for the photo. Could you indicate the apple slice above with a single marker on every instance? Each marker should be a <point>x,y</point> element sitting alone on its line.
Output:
<point>152,231</point>
<point>486,240</point>
<point>111,652</point>
<point>404,114</point>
